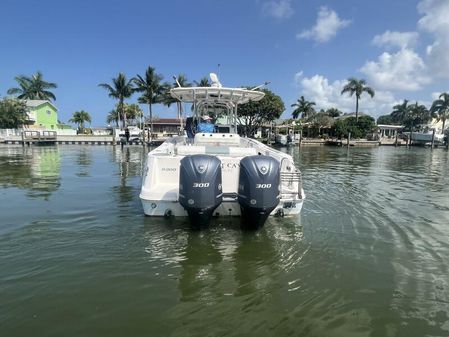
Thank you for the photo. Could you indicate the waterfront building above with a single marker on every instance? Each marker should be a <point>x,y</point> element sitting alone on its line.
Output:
<point>164,127</point>
<point>42,114</point>
<point>389,131</point>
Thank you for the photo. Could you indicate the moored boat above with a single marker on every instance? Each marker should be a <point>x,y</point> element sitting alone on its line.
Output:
<point>426,137</point>
<point>220,173</point>
<point>281,139</point>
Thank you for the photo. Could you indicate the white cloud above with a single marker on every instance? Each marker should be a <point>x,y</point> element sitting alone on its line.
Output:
<point>328,95</point>
<point>326,27</point>
<point>279,9</point>
<point>435,21</point>
<point>403,70</point>
<point>435,95</point>
<point>396,39</point>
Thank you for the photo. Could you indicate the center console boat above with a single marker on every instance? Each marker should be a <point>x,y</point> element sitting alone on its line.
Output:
<point>222,173</point>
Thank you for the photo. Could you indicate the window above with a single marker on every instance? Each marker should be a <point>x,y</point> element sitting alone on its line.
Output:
<point>48,112</point>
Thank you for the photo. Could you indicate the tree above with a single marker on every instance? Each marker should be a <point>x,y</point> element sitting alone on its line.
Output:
<point>357,87</point>
<point>79,118</point>
<point>203,82</point>
<point>358,129</point>
<point>181,80</point>
<point>320,120</point>
<point>400,112</point>
<point>167,98</point>
<point>133,112</point>
<point>417,114</point>
<point>333,112</point>
<point>440,107</point>
<point>112,117</point>
<point>153,91</point>
<point>33,87</point>
<point>13,113</point>
<point>385,120</point>
<point>253,115</point>
<point>340,128</point>
<point>120,89</point>
<point>303,108</point>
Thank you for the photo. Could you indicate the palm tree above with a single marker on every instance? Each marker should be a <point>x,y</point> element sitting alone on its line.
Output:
<point>181,80</point>
<point>112,117</point>
<point>417,114</point>
<point>400,112</point>
<point>441,108</point>
<point>79,118</point>
<point>357,87</point>
<point>303,108</point>
<point>33,87</point>
<point>133,112</point>
<point>152,90</point>
<point>120,89</point>
<point>203,82</point>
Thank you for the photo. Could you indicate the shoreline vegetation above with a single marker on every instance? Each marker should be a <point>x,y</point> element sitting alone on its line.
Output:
<point>109,140</point>
<point>306,119</point>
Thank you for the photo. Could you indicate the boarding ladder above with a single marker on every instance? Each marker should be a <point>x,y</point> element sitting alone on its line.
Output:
<point>288,179</point>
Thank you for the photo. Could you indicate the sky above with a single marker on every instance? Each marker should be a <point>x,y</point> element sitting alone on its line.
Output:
<point>303,47</point>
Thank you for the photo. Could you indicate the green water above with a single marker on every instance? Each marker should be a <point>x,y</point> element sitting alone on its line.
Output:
<point>368,256</point>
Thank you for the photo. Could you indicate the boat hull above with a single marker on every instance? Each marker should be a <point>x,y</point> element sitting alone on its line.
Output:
<point>160,192</point>
<point>426,137</point>
<point>163,208</point>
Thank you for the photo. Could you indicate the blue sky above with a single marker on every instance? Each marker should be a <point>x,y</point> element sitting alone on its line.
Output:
<point>303,47</point>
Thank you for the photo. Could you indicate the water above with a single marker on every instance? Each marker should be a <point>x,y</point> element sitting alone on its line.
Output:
<point>368,257</point>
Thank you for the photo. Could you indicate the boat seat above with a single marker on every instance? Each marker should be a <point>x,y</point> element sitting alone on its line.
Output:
<point>186,150</point>
<point>232,151</point>
<point>242,151</point>
<point>217,138</point>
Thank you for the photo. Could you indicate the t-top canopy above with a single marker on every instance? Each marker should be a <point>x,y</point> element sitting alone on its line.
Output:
<point>214,95</point>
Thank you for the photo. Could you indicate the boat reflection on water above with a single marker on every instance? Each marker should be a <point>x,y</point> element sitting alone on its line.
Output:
<point>130,159</point>
<point>224,264</point>
<point>35,169</point>
<point>83,161</point>
<point>130,166</point>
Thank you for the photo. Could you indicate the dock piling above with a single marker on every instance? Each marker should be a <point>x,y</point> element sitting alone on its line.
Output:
<point>433,139</point>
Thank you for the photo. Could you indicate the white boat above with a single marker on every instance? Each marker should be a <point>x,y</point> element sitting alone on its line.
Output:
<point>426,136</point>
<point>288,137</point>
<point>281,139</point>
<point>220,174</point>
<point>134,133</point>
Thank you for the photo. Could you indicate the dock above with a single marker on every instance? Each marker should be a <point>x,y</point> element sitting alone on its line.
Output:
<point>339,142</point>
<point>39,137</point>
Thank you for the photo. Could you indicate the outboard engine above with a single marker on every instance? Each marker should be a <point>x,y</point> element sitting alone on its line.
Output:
<point>258,192</point>
<point>200,190</point>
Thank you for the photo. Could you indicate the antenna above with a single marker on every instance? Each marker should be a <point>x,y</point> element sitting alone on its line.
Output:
<point>176,80</point>
<point>260,86</point>
<point>215,81</point>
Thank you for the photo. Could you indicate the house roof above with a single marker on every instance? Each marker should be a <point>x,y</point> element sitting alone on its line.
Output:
<point>351,114</point>
<point>174,121</point>
<point>390,127</point>
<point>33,103</point>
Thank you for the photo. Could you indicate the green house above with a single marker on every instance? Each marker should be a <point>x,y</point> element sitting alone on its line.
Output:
<point>42,114</point>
